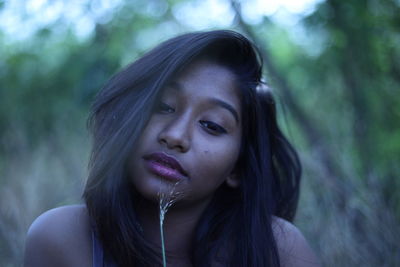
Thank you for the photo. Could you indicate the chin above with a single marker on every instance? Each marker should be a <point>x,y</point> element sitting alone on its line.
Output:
<point>151,188</point>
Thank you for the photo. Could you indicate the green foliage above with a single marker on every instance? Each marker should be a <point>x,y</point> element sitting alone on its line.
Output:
<point>341,67</point>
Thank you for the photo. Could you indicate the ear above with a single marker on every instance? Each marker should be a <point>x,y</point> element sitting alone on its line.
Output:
<point>233,180</point>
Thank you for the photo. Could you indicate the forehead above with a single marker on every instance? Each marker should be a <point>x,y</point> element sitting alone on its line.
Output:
<point>204,79</point>
<point>205,69</point>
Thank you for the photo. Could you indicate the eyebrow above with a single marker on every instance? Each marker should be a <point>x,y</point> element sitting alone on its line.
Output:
<point>213,100</point>
<point>226,106</point>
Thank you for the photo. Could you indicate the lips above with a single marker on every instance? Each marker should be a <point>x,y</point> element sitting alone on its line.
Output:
<point>165,166</point>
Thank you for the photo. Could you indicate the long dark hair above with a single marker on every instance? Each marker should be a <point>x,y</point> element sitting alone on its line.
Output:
<point>236,227</point>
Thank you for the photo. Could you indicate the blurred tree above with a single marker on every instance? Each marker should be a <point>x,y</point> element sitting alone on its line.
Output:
<point>343,94</point>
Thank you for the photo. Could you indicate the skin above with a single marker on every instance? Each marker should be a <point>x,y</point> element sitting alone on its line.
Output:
<point>199,132</point>
<point>203,135</point>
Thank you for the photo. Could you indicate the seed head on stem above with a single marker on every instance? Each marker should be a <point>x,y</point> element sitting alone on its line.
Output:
<point>166,201</point>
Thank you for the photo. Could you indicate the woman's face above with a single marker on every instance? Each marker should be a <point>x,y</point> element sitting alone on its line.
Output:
<point>193,137</point>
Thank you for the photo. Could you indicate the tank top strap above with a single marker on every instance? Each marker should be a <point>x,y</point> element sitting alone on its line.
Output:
<point>97,252</point>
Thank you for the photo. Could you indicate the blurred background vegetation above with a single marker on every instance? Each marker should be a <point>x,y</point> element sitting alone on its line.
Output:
<point>333,64</point>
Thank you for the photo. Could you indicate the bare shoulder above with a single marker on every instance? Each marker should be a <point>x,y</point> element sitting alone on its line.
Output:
<point>59,237</point>
<point>293,248</point>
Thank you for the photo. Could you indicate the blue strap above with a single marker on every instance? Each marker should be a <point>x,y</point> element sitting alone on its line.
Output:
<point>97,252</point>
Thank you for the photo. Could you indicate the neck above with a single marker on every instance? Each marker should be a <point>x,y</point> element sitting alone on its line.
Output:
<point>179,227</point>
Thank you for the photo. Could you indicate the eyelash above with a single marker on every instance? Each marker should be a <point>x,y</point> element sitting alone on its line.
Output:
<point>211,127</point>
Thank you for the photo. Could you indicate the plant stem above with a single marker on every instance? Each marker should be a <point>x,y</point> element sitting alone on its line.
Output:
<point>162,238</point>
<point>166,202</point>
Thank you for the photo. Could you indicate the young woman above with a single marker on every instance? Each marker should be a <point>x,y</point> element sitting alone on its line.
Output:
<point>189,122</point>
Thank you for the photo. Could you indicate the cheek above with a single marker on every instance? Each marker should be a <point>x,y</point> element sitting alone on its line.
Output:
<point>148,137</point>
<point>219,159</point>
<point>145,140</point>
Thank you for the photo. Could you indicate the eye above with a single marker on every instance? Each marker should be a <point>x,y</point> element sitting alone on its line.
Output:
<point>165,108</point>
<point>213,128</point>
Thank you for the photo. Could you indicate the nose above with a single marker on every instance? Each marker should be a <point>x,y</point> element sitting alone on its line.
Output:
<point>176,135</point>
